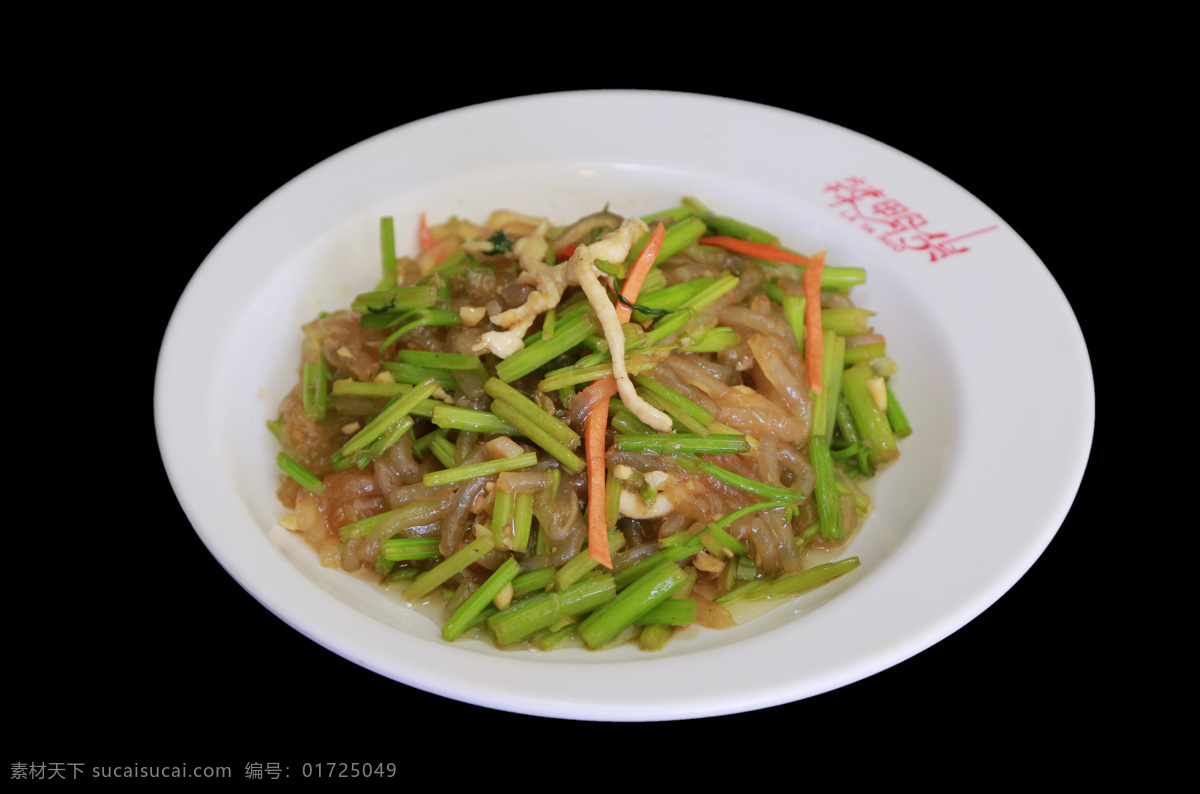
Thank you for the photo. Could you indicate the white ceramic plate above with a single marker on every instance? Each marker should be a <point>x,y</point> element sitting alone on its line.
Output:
<point>971,314</point>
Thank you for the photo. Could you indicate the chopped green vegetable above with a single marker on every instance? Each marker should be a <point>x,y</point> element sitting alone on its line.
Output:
<point>500,242</point>
<point>292,468</point>
<point>497,459</point>
<point>486,469</point>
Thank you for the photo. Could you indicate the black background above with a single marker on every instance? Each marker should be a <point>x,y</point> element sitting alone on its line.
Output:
<point>137,646</point>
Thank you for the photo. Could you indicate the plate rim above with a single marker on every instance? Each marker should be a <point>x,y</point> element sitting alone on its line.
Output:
<point>1083,451</point>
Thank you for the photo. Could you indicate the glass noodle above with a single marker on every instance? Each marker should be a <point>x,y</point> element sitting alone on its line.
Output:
<point>587,434</point>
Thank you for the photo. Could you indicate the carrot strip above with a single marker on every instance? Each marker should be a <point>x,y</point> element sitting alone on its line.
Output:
<point>565,252</point>
<point>424,236</point>
<point>637,273</point>
<point>596,424</point>
<point>433,250</point>
<point>603,387</point>
<point>756,250</point>
<point>594,428</point>
<point>814,346</point>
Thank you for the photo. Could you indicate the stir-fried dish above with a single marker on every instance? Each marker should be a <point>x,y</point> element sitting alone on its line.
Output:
<point>586,434</point>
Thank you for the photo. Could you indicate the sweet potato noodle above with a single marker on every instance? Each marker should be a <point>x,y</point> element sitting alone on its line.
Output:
<point>436,437</point>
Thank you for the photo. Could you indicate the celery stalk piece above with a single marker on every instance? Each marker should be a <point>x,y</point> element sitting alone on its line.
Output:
<point>630,604</point>
<point>502,513</point>
<point>412,512</point>
<point>353,388</point>
<point>773,291</point>
<point>700,414</point>
<point>357,388</point>
<point>422,444</point>
<point>538,435</point>
<point>387,319</point>
<point>598,365</point>
<point>747,569</point>
<point>896,417</point>
<point>549,640</point>
<point>669,325</point>
<point>533,581</point>
<point>307,373</point>
<point>745,511</point>
<point>778,493</point>
<point>672,554</point>
<point>862,502</point>
<point>655,280</point>
<point>669,298</point>
<point>542,610</point>
<point>848,321</point>
<point>674,214</point>
<point>845,422</point>
<point>582,564</point>
<point>555,427</point>
<point>835,354</point>
<point>395,300</point>
<point>797,582</point>
<point>675,443</point>
<point>802,538</point>
<point>443,450</point>
<point>841,277</point>
<point>711,293</point>
<point>451,417</point>
<point>793,310</point>
<point>678,237</point>
<point>485,469</point>
<point>542,541</point>
<point>871,422</point>
<point>635,337</point>
<point>567,335</point>
<point>453,262</point>
<point>401,407</point>
<point>387,253</point>
<point>729,227</point>
<point>522,521</point>
<point>612,500</point>
<point>292,468</point>
<point>834,278</point>
<point>679,418</point>
<point>624,421</point>
<point>427,358</point>
<point>865,352</point>
<point>416,373</point>
<point>454,362</point>
<point>402,574</point>
<point>677,319</point>
<point>824,411</point>
<point>672,612</point>
<point>316,388</point>
<point>716,340</point>
<point>381,445</point>
<point>741,591</point>
<point>826,491</point>
<point>478,600</point>
<point>400,549</point>
<point>424,408</point>
<point>432,579</point>
<point>726,540</point>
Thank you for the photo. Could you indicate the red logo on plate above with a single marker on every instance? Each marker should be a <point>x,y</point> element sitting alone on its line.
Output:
<point>893,222</point>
